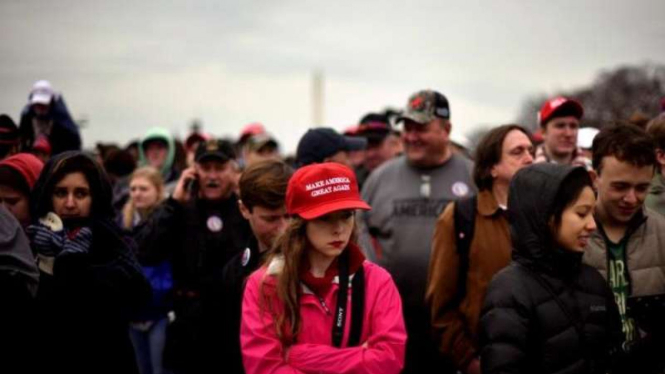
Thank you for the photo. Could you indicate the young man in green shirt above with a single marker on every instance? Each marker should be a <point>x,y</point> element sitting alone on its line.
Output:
<point>628,247</point>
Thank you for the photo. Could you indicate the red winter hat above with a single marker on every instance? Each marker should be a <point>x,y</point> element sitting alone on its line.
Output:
<point>318,189</point>
<point>28,165</point>
<point>557,107</point>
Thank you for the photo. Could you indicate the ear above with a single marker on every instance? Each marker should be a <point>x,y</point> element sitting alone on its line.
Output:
<point>660,156</point>
<point>594,179</point>
<point>243,210</point>
<point>448,126</point>
<point>493,171</point>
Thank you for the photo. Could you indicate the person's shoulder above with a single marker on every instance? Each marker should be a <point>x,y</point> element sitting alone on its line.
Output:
<point>376,272</point>
<point>387,171</point>
<point>509,280</point>
<point>591,279</point>
<point>258,275</point>
<point>388,167</point>
<point>461,161</point>
<point>267,273</point>
<point>654,218</point>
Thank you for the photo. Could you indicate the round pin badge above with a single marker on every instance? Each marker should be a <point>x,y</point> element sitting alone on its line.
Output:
<point>460,189</point>
<point>246,256</point>
<point>215,224</point>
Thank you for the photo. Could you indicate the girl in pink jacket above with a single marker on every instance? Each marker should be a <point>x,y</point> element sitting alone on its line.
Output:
<point>317,306</point>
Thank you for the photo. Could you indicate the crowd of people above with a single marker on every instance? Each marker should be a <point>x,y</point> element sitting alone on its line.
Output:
<point>388,248</point>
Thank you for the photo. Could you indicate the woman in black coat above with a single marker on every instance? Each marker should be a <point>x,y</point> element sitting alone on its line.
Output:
<point>90,281</point>
<point>547,312</point>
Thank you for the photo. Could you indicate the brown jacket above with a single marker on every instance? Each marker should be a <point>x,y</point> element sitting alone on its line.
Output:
<point>455,324</point>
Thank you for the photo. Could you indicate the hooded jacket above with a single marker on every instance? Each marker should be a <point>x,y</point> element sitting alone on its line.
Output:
<point>84,306</point>
<point>64,134</point>
<point>546,312</point>
<point>656,197</point>
<point>158,133</point>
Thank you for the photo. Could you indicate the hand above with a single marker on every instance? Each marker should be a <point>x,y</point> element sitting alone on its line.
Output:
<point>46,241</point>
<point>473,367</point>
<point>80,244</point>
<point>181,194</point>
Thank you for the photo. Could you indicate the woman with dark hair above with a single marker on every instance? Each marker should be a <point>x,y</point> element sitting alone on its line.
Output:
<point>547,312</point>
<point>90,281</point>
<point>317,305</point>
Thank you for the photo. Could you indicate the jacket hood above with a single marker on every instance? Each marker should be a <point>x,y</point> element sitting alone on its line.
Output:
<point>531,202</point>
<point>68,162</point>
<point>158,133</point>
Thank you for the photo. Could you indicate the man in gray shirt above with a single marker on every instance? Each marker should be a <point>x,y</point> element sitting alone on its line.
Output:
<point>407,194</point>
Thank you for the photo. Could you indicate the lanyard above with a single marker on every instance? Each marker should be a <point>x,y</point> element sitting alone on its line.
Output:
<point>339,318</point>
<point>341,310</point>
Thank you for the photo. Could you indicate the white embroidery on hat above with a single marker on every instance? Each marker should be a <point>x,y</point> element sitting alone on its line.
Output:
<point>330,185</point>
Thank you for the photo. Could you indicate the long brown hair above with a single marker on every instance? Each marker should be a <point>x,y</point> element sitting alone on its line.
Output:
<point>155,178</point>
<point>290,247</point>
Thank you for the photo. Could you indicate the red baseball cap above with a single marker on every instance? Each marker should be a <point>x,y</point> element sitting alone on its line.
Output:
<point>251,129</point>
<point>318,189</point>
<point>559,106</point>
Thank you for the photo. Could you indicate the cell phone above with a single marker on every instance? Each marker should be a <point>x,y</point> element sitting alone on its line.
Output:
<point>192,186</point>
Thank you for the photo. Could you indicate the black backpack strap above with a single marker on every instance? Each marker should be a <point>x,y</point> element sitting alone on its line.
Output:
<point>464,215</point>
<point>357,307</point>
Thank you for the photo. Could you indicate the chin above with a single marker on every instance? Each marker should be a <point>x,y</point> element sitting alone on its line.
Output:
<point>212,195</point>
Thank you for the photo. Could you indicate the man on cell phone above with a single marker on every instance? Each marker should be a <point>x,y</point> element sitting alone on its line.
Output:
<point>199,228</point>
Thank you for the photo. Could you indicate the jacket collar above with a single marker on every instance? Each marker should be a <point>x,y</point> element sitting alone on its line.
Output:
<point>487,204</point>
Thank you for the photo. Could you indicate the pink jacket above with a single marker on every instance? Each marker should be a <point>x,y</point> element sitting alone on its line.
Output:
<point>383,337</point>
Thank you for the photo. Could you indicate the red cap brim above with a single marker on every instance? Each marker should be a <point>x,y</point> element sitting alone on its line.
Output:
<point>332,206</point>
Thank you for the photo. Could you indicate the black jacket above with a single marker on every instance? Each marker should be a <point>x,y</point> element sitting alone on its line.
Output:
<point>234,276</point>
<point>83,309</point>
<point>19,278</point>
<point>546,312</point>
<point>199,238</point>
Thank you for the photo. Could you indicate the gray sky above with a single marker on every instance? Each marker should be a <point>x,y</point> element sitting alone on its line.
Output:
<point>129,65</point>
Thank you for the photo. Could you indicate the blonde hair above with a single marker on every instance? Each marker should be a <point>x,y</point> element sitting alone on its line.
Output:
<point>155,178</point>
<point>291,247</point>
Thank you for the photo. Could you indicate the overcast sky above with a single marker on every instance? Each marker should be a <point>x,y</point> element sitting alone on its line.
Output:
<point>127,66</point>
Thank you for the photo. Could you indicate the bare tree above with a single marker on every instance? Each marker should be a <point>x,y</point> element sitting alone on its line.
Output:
<point>615,95</point>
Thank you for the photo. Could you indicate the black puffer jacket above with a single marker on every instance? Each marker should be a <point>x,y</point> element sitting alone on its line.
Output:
<point>546,312</point>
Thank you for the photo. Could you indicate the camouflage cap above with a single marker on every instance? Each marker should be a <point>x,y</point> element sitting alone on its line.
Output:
<point>424,106</point>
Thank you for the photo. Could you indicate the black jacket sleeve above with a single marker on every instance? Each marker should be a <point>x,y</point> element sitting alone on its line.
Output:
<point>504,325</point>
<point>158,237</point>
<point>108,277</point>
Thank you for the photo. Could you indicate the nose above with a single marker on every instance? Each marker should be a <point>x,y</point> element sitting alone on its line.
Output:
<point>528,159</point>
<point>69,201</point>
<point>569,130</point>
<point>630,197</point>
<point>337,226</point>
<point>591,225</point>
<point>281,223</point>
